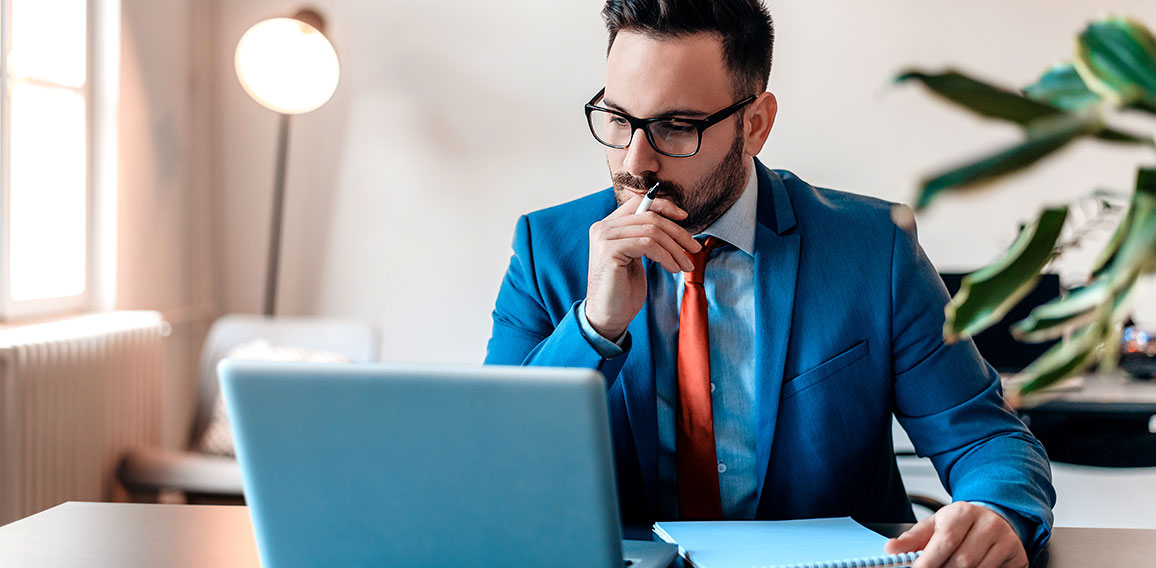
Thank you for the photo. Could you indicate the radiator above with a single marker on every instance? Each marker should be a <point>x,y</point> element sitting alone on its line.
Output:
<point>75,394</point>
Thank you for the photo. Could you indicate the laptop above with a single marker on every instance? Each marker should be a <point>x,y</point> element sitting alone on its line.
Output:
<point>395,465</point>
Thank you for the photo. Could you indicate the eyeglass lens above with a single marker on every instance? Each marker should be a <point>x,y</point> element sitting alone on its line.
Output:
<point>668,136</point>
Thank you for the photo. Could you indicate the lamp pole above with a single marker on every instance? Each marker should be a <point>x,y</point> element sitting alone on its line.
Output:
<point>278,215</point>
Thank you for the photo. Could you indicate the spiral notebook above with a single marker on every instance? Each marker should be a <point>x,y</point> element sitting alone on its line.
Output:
<point>829,543</point>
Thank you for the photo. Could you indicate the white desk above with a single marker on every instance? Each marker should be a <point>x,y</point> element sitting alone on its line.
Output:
<point>124,535</point>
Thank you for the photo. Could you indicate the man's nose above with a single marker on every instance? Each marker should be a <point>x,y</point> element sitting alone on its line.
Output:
<point>640,155</point>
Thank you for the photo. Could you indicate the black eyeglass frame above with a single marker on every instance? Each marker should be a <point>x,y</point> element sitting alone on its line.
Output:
<point>699,124</point>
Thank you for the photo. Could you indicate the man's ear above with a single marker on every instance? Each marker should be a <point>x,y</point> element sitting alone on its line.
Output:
<point>759,118</point>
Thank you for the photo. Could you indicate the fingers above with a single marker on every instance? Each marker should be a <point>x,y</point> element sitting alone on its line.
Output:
<point>951,525</point>
<point>656,221</point>
<point>1005,550</point>
<point>1004,554</point>
<point>914,539</point>
<point>679,234</point>
<point>650,240</point>
<point>667,208</point>
<point>639,247</point>
<point>662,206</point>
<point>968,554</point>
<point>660,214</point>
<point>659,218</point>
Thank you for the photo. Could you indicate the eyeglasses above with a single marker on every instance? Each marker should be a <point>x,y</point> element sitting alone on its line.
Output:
<point>674,137</point>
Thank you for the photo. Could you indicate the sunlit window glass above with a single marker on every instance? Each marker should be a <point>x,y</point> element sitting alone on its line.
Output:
<point>48,192</point>
<point>49,39</point>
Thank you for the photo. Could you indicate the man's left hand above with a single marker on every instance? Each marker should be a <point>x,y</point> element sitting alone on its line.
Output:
<point>962,535</point>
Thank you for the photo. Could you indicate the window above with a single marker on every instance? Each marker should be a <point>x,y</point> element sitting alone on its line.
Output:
<point>52,171</point>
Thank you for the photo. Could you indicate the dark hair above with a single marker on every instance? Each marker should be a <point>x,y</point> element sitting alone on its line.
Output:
<point>745,27</point>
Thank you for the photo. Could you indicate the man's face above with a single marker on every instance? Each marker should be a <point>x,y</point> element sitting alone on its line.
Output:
<point>685,77</point>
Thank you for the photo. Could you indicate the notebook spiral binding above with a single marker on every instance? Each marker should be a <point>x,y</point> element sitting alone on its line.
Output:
<point>889,561</point>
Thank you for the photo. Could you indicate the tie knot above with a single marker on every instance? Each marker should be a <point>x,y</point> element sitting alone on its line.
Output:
<point>699,260</point>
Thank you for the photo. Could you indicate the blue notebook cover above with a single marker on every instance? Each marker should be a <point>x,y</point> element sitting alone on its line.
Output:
<point>779,544</point>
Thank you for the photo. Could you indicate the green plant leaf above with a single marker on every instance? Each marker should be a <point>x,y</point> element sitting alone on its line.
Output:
<point>991,101</point>
<point>1146,181</point>
<point>1145,185</point>
<point>1104,296</point>
<point>1104,259</point>
<point>1062,87</point>
<point>1048,321</point>
<point>1116,58</point>
<point>1062,360</point>
<point>986,295</point>
<point>982,98</point>
<point>1044,137</point>
<point>1086,345</point>
<point>1120,136</point>
<point>1133,253</point>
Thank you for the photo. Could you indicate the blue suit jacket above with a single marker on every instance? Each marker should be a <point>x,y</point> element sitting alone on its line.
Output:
<point>848,331</point>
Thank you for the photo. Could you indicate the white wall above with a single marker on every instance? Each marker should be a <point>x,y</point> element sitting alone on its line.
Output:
<point>166,186</point>
<point>454,118</point>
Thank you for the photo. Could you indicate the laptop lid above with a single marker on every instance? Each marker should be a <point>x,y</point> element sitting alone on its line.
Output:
<point>375,464</point>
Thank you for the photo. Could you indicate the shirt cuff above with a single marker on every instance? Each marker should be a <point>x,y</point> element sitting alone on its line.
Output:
<point>606,348</point>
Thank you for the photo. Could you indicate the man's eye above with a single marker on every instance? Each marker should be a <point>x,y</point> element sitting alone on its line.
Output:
<point>618,121</point>
<point>676,128</point>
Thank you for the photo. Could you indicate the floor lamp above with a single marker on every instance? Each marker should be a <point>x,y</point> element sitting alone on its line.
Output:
<point>289,66</point>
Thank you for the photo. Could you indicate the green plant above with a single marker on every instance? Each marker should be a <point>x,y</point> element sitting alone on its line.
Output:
<point>1113,71</point>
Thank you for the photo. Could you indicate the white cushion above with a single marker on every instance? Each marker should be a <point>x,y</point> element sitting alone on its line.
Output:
<point>218,437</point>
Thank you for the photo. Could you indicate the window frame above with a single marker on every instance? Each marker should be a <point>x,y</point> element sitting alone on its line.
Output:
<point>100,96</point>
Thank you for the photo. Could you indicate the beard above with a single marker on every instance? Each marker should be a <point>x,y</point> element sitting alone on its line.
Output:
<point>706,202</point>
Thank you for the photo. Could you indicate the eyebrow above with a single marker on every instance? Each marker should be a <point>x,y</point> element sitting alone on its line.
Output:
<point>672,113</point>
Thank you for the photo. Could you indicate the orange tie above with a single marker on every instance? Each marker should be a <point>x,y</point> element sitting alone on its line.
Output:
<point>698,492</point>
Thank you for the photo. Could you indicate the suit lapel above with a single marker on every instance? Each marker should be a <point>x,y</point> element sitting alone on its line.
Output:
<point>776,271</point>
<point>641,399</point>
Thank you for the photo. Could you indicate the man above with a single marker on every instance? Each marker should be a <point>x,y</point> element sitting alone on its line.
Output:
<point>757,333</point>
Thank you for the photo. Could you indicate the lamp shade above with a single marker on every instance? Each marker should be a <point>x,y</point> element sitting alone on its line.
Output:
<point>287,65</point>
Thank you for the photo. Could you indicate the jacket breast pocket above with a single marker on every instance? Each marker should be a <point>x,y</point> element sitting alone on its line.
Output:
<point>824,370</point>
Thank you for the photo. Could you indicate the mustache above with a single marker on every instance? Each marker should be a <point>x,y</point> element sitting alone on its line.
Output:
<point>667,189</point>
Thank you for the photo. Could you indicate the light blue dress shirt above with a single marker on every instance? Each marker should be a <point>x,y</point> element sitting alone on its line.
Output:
<point>729,286</point>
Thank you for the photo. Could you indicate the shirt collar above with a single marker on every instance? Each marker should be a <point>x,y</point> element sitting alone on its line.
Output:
<point>737,225</point>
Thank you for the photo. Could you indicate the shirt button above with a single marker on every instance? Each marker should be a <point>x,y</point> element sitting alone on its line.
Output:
<point>711,387</point>
<point>722,467</point>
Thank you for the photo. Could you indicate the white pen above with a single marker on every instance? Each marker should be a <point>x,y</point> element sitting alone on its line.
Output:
<point>647,200</point>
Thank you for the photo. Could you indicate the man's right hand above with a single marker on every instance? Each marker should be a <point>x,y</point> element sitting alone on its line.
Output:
<point>616,281</point>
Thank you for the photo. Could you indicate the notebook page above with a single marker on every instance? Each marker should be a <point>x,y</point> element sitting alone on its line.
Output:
<point>743,544</point>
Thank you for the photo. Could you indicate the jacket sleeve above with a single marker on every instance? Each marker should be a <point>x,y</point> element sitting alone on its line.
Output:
<point>527,330</point>
<point>950,402</point>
